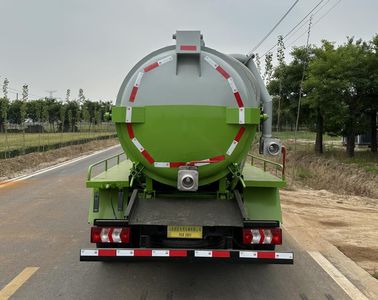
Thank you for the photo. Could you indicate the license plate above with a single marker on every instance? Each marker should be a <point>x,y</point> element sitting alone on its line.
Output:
<point>184,232</point>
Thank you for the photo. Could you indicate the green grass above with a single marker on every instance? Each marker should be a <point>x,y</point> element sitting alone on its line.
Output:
<point>363,158</point>
<point>303,173</point>
<point>16,140</point>
<point>304,135</point>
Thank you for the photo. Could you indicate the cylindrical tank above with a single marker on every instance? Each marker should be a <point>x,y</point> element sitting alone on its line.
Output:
<point>187,104</point>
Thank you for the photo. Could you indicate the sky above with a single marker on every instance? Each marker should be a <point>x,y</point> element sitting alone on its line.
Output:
<point>91,44</point>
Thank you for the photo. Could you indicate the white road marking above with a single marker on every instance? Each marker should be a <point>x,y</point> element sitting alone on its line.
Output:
<point>337,276</point>
<point>48,169</point>
<point>17,282</point>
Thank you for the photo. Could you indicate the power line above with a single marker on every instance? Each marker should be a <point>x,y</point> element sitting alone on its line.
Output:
<point>323,16</point>
<point>51,92</point>
<point>274,27</point>
<point>306,22</point>
<point>299,23</point>
<point>15,91</point>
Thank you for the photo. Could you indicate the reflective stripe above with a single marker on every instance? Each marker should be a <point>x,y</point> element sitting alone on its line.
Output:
<point>134,91</point>
<point>266,254</point>
<point>232,85</point>
<point>161,164</point>
<point>107,252</point>
<point>137,144</point>
<point>158,63</point>
<point>241,115</point>
<point>238,99</point>
<point>284,256</point>
<point>232,147</point>
<point>211,62</point>
<point>125,252</point>
<point>138,79</point>
<point>202,253</point>
<point>148,156</point>
<point>130,130</point>
<point>223,72</point>
<point>160,253</point>
<point>129,111</point>
<point>248,254</point>
<point>89,252</point>
<point>151,67</point>
<point>245,254</point>
<point>239,134</point>
<point>165,60</point>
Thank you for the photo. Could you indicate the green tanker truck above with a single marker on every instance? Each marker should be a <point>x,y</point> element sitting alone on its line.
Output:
<point>186,186</point>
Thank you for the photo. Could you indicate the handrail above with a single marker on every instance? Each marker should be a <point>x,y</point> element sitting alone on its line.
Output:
<point>278,166</point>
<point>105,161</point>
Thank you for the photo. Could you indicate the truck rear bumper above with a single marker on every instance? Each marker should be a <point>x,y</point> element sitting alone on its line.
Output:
<point>144,254</point>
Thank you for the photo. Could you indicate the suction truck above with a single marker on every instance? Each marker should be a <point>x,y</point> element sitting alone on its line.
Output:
<point>185,186</point>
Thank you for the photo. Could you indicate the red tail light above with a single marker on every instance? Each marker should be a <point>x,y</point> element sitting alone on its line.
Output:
<point>110,235</point>
<point>267,236</point>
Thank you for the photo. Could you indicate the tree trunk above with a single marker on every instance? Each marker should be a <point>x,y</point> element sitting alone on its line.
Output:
<point>351,136</point>
<point>319,133</point>
<point>373,126</point>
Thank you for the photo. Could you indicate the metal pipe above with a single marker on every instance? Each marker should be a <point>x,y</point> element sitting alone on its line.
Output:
<point>266,99</point>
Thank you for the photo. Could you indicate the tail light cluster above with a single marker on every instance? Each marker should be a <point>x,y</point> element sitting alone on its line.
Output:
<point>110,235</point>
<point>267,236</point>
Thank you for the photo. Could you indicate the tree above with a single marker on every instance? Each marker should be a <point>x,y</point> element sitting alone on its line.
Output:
<point>25,92</point>
<point>23,113</point>
<point>338,89</point>
<point>5,88</point>
<point>81,96</point>
<point>371,104</point>
<point>322,92</point>
<point>290,75</point>
<point>280,74</point>
<point>4,106</point>
<point>68,93</point>
<point>70,119</point>
<point>62,115</point>
<point>258,62</point>
<point>268,67</point>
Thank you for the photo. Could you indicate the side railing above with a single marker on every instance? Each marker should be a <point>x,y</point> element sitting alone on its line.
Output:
<point>277,167</point>
<point>106,163</point>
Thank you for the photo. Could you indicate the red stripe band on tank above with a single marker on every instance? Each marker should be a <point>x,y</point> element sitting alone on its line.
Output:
<point>232,85</point>
<point>223,72</point>
<point>151,67</point>
<point>148,156</point>
<point>235,141</point>
<point>130,130</point>
<point>134,91</point>
<point>239,134</point>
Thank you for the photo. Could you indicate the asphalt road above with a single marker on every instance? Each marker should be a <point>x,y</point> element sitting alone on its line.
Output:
<point>43,223</point>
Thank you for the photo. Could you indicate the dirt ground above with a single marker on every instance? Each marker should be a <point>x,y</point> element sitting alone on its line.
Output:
<point>348,222</point>
<point>13,167</point>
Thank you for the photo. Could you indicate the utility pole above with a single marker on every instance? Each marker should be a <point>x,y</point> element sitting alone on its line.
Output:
<point>51,92</point>
<point>301,84</point>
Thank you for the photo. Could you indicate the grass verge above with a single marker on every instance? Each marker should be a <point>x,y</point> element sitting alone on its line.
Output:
<point>16,166</point>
